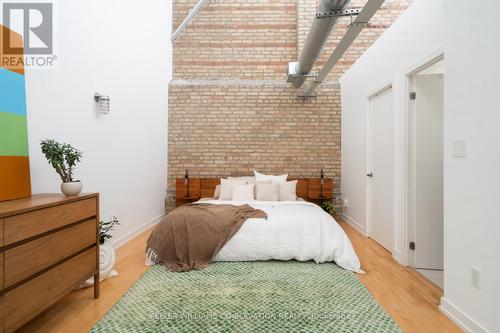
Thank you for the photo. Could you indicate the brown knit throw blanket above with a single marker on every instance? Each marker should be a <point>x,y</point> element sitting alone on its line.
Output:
<point>190,236</point>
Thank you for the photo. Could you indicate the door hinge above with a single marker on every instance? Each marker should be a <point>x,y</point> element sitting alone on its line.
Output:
<point>412,246</point>
<point>413,96</point>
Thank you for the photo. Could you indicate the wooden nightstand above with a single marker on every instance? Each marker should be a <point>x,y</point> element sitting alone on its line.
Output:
<point>182,195</point>
<point>198,188</point>
<point>316,192</point>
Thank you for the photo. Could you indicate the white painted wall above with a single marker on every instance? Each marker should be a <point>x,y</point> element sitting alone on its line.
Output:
<point>121,49</point>
<point>401,48</point>
<point>472,184</point>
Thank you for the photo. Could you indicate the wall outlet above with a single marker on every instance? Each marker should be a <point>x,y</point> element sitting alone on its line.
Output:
<point>476,278</point>
<point>346,203</point>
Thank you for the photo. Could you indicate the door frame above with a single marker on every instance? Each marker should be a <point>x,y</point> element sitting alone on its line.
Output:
<point>409,153</point>
<point>377,91</point>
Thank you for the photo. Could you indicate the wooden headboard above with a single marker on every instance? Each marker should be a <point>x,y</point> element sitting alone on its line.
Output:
<point>307,188</point>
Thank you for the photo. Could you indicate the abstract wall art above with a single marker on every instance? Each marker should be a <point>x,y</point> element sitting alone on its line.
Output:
<point>14,158</point>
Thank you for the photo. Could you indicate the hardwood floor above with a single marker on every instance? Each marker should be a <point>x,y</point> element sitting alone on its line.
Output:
<point>405,294</point>
<point>408,297</point>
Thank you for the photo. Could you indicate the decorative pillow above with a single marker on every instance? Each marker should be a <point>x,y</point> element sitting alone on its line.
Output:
<point>266,192</point>
<point>226,188</point>
<point>247,179</point>
<point>217,191</point>
<point>274,179</point>
<point>243,192</point>
<point>287,191</point>
<point>255,186</point>
<point>260,181</point>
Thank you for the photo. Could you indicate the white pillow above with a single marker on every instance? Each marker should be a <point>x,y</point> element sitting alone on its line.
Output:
<point>263,182</point>
<point>247,179</point>
<point>275,179</point>
<point>266,192</point>
<point>243,192</point>
<point>226,188</point>
<point>287,191</point>
<point>217,191</point>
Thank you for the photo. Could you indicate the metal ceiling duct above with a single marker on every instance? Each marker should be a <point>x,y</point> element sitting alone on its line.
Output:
<point>187,20</point>
<point>316,38</point>
<point>371,7</point>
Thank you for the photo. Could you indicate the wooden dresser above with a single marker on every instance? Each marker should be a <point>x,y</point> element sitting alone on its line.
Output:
<point>48,247</point>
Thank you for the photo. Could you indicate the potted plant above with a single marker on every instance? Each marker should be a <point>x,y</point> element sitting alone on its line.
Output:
<point>105,228</point>
<point>107,253</point>
<point>328,207</point>
<point>63,158</point>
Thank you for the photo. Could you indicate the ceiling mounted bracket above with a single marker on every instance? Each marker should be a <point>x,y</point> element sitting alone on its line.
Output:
<point>292,73</point>
<point>291,77</point>
<point>306,75</point>
<point>339,13</point>
<point>361,24</point>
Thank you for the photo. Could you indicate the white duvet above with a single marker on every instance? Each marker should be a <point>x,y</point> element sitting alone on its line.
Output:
<point>293,230</point>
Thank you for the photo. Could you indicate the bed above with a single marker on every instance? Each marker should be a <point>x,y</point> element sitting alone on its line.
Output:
<point>297,230</point>
<point>294,230</point>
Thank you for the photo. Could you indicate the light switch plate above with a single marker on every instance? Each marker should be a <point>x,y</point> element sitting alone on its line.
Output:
<point>459,148</point>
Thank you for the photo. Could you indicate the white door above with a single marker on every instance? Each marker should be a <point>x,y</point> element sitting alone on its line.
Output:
<point>428,183</point>
<point>380,169</point>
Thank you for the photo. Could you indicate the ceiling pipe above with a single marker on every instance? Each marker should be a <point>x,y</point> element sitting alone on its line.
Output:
<point>362,19</point>
<point>187,20</point>
<point>316,38</point>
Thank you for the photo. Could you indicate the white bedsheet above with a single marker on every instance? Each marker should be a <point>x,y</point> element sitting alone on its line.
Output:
<point>293,230</point>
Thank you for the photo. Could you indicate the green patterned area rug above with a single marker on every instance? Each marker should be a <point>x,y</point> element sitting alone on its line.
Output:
<point>248,297</point>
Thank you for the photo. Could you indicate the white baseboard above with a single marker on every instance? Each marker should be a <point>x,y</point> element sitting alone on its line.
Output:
<point>460,318</point>
<point>118,242</point>
<point>359,227</point>
<point>398,257</point>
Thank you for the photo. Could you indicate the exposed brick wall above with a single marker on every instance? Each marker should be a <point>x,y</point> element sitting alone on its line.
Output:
<point>230,110</point>
<point>252,39</point>
<point>244,39</point>
<point>219,130</point>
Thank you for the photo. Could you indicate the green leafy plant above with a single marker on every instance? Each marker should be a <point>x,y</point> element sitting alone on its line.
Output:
<point>105,228</point>
<point>328,207</point>
<point>62,156</point>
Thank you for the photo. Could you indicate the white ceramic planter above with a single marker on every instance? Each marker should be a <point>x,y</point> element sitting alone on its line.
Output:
<point>71,189</point>
<point>107,260</point>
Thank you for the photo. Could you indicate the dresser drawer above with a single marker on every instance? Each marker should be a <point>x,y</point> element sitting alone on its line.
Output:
<point>29,258</point>
<point>1,259</point>
<point>34,296</point>
<point>1,272</point>
<point>1,232</point>
<point>23,226</point>
<point>2,310</point>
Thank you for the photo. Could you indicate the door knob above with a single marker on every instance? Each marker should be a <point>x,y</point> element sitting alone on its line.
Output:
<point>370,174</point>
